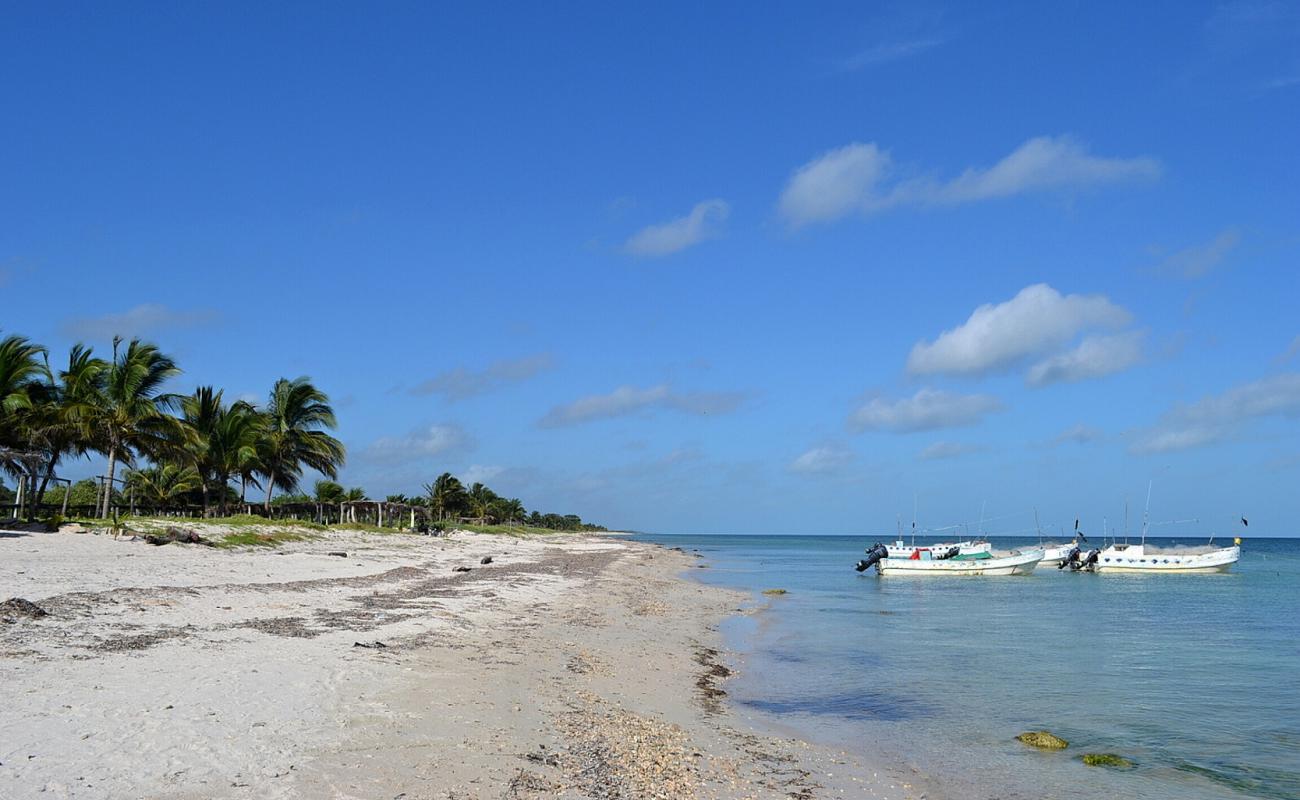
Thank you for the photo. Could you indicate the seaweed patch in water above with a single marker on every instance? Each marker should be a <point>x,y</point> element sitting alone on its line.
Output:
<point>1262,782</point>
<point>857,705</point>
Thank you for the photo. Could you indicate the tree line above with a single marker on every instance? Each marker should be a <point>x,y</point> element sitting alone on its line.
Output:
<point>181,450</point>
<point>117,407</point>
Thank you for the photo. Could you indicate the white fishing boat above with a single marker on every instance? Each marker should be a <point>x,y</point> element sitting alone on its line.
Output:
<point>1145,558</point>
<point>1055,554</point>
<point>950,561</point>
<point>970,547</point>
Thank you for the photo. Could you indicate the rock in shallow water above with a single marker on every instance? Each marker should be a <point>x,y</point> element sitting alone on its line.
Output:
<point>1043,739</point>
<point>1106,760</point>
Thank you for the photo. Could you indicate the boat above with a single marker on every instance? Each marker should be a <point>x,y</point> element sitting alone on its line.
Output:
<point>1145,558</point>
<point>970,547</point>
<point>949,561</point>
<point>1055,554</point>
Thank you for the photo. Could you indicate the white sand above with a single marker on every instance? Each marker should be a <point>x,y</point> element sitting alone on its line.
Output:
<point>569,667</point>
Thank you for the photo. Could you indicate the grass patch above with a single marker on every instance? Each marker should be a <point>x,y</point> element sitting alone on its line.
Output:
<point>251,520</point>
<point>261,539</point>
<point>774,592</point>
<point>506,530</point>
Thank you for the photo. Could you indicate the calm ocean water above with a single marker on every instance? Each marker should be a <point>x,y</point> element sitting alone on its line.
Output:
<point>1196,678</point>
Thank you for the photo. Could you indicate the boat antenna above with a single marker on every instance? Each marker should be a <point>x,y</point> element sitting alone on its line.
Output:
<point>1125,519</point>
<point>983,505</point>
<point>1036,525</point>
<point>1146,513</point>
<point>914,504</point>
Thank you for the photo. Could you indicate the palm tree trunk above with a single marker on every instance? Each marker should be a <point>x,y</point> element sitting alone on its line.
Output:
<point>45,482</point>
<point>270,486</point>
<point>207,512</point>
<point>108,491</point>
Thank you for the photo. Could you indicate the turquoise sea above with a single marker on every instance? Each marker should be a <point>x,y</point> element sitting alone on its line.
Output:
<point>1195,678</point>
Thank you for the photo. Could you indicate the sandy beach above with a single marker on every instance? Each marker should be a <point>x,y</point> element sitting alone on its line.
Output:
<point>364,665</point>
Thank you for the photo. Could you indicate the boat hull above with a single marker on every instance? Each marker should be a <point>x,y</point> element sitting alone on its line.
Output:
<point>1053,555</point>
<point>1134,560</point>
<point>1022,564</point>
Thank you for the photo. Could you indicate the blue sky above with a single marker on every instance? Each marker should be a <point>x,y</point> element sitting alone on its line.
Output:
<point>696,267</point>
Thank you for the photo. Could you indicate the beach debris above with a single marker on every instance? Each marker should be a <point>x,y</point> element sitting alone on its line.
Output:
<point>1043,739</point>
<point>460,569</point>
<point>485,560</point>
<point>19,526</point>
<point>179,535</point>
<point>774,592</point>
<point>613,754</point>
<point>714,670</point>
<point>527,784</point>
<point>1106,760</point>
<point>15,607</point>
<point>338,553</point>
<point>375,645</point>
<point>543,756</point>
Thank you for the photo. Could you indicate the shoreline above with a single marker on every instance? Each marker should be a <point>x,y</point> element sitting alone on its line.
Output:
<point>572,665</point>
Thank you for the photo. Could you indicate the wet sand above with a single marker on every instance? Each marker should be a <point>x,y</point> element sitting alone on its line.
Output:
<point>570,666</point>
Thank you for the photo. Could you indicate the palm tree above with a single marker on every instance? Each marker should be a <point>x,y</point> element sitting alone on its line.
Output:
<point>163,485</point>
<point>224,439</point>
<point>52,430</point>
<point>329,492</point>
<point>511,510</point>
<point>294,438</point>
<point>446,493</point>
<point>481,499</point>
<point>250,465</point>
<point>21,368</point>
<point>127,411</point>
<point>200,412</point>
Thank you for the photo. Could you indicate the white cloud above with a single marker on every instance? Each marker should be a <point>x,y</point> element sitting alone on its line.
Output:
<point>928,409</point>
<point>1079,434</point>
<point>1218,417</point>
<point>1038,320</point>
<point>421,443</point>
<point>1199,260</point>
<point>141,320</point>
<point>834,184</point>
<point>628,400</point>
<point>479,473</point>
<point>822,460</point>
<point>853,178</point>
<point>945,450</point>
<point>1094,357</point>
<point>460,383</point>
<point>675,235</point>
<point>1045,162</point>
<point>885,52</point>
<point>1291,351</point>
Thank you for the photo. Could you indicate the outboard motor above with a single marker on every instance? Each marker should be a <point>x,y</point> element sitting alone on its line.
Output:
<point>1071,558</point>
<point>949,553</point>
<point>1087,563</point>
<point>874,553</point>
